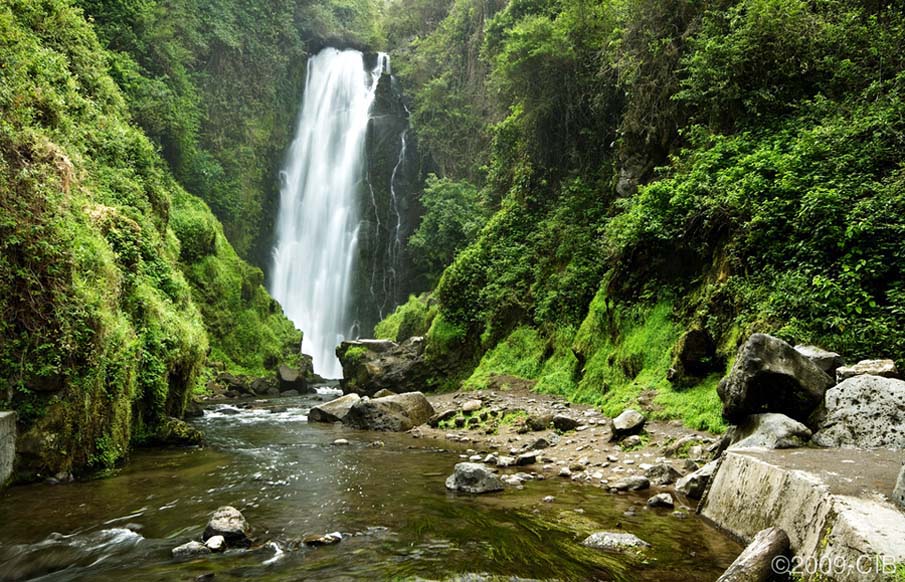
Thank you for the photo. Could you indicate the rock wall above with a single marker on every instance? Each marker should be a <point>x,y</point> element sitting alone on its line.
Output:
<point>829,502</point>
<point>390,210</point>
<point>7,445</point>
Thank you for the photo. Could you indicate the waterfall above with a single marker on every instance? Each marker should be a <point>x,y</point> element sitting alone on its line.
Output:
<point>318,222</point>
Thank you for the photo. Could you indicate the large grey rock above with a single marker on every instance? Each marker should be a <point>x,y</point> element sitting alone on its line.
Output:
<point>823,359</point>
<point>756,562</point>
<point>770,430</point>
<point>694,484</point>
<point>7,445</point>
<point>334,411</point>
<point>190,550</point>
<point>863,412</point>
<point>898,494</point>
<point>614,541</point>
<point>628,423</point>
<point>228,522</point>
<point>370,366</point>
<point>770,376</point>
<point>473,478</point>
<point>397,413</point>
<point>882,368</point>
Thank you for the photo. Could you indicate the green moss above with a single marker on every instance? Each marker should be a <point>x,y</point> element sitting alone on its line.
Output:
<point>412,318</point>
<point>521,354</point>
<point>356,354</point>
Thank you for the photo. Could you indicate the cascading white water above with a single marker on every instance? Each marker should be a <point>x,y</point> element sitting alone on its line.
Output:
<point>318,222</point>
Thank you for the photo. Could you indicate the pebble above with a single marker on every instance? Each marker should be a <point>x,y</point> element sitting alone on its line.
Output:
<point>549,499</point>
<point>565,472</point>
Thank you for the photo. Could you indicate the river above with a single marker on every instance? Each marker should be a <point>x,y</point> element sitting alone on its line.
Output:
<point>289,479</point>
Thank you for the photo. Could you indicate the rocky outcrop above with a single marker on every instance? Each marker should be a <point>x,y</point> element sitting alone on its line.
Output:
<point>769,375</point>
<point>291,379</point>
<point>630,422</point>
<point>176,432</point>
<point>334,411</point>
<point>614,541</point>
<point>7,445</point>
<point>395,413</point>
<point>863,412</point>
<point>473,478</point>
<point>373,365</point>
<point>882,368</point>
<point>827,361</point>
<point>769,430</point>
<point>228,522</point>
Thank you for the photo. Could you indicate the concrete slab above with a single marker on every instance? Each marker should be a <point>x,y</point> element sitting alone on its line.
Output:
<point>833,503</point>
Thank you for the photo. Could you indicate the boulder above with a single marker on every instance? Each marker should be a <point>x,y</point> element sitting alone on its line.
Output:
<point>829,362</point>
<point>630,422</point>
<point>631,483</point>
<point>694,484</point>
<point>863,412</point>
<point>564,423</point>
<point>397,413</point>
<point>528,458</point>
<point>898,494</point>
<point>882,368</point>
<point>769,430</point>
<point>614,541</point>
<point>370,366</point>
<point>473,478</point>
<point>631,442</point>
<point>228,522</point>
<point>540,422</point>
<point>662,474</point>
<point>333,411</point>
<point>384,392</point>
<point>291,379</point>
<point>447,414</point>
<point>190,550</point>
<point>770,376</point>
<point>661,500</point>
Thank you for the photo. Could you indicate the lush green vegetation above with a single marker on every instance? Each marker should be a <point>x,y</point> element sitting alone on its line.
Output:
<point>115,283</point>
<point>216,84</point>
<point>654,167</point>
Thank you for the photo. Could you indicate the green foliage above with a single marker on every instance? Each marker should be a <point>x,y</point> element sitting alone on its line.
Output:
<point>412,318</point>
<point>453,217</point>
<point>521,354</point>
<point>356,354</point>
<point>103,336</point>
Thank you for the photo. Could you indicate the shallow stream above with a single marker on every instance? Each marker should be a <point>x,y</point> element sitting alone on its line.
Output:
<point>289,480</point>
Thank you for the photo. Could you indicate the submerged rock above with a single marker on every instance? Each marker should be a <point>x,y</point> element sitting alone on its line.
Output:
<point>769,375</point>
<point>397,413</point>
<point>333,411</point>
<point>322,540</point>
<point>473,478</point>
<point>614,541</point>
<point>630,422</point>
<point>863,412</point>
<point>228,522</point>
<point>771,431</point>
<point>190,550</point>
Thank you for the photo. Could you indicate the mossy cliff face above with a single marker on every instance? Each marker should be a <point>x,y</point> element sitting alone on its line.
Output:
<point>776,207</point>
<point>103,339</point>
